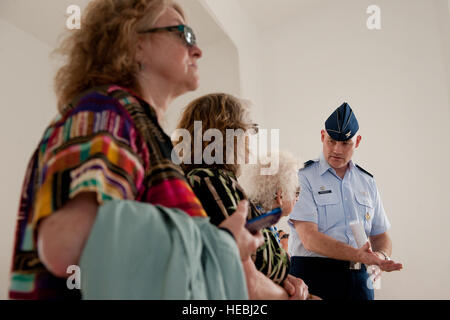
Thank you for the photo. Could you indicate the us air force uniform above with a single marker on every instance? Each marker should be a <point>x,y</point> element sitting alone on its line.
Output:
<point>332,203</point>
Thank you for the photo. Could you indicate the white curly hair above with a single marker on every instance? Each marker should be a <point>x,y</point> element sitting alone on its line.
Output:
<point>262,189</point>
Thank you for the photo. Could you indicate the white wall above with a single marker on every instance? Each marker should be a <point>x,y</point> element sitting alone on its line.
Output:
<point>27,105</point>
<point>395,80</point>
<point>443,15</point>
<point>235,23</point>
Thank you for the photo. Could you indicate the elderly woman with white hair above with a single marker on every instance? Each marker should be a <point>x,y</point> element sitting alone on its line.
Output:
<point>281,189</point>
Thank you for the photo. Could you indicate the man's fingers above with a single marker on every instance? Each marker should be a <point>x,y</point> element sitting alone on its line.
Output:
<point>398,266</point>
<point>389,266</point>
<point>366,246</point>
<point>375,260</point>
<point>395,267</point>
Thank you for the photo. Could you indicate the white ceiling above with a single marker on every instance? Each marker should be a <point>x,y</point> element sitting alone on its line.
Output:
<point>267,14</point>
<point>46,19</point>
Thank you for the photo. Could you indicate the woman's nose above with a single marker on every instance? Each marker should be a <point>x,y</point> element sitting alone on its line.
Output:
<point>196,52</point>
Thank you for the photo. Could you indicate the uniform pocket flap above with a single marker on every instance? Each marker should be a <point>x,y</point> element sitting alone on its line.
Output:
<point>363,199</point>
<point>325,197</point>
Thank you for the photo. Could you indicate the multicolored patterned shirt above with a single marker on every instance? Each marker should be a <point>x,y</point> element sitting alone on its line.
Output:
<point>106,141</point>
<point>220,193</point>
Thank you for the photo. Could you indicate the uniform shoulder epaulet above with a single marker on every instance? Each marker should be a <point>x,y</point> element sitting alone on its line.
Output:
<point>308,163</point>
<point>366,172</point>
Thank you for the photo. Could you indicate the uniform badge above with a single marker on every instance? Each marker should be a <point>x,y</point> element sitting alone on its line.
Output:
<point>324,191</point>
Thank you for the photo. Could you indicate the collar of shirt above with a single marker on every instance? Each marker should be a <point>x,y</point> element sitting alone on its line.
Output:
<point>324,166</point>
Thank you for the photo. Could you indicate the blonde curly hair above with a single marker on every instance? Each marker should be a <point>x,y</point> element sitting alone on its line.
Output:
<point>262,189</point>
<point>219,111</point>
<point>103,50</point>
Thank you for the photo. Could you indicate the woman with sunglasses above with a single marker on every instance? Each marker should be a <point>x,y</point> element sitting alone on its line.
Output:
<point>127,63</point>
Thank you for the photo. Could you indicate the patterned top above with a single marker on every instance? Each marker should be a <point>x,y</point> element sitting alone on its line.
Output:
<point>220,193</point>
<point>106,141</point>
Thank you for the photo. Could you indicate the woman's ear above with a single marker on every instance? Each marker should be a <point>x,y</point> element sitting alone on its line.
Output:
<point>139,54</point>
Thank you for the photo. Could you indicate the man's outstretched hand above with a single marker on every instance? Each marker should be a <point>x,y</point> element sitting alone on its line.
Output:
<point>370,258</point>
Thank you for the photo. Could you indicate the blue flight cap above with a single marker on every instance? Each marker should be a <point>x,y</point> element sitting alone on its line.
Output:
<point>342,124</point>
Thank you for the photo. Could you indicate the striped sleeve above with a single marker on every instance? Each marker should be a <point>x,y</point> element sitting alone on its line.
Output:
<point>271,259</point>
<point>216,195</point>
<point>90,149</point>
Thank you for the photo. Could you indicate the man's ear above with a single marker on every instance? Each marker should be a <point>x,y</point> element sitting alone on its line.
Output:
<point>358,140</point>
<point>322,135</point>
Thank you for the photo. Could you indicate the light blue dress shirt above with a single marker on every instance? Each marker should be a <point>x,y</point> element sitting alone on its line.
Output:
<point>332,203</point>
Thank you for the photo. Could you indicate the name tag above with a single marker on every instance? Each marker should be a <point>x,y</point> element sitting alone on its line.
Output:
<point>325,192</point>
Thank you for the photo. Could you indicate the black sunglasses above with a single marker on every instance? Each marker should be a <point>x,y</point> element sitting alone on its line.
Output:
<point>186,32</point>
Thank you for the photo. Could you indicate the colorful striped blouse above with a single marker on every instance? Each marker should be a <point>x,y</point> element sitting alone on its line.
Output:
<point>220,193</point>
<point>106,141</point>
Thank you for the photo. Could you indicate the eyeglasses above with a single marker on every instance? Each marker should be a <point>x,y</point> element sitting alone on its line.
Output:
<point>254,127</point>
<point>297,194</point>
<point>186,33</point>
<point>285,236</point>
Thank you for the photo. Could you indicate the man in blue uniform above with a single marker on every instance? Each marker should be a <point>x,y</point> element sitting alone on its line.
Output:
<point>335,192</point>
